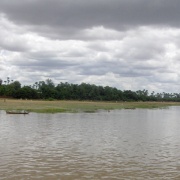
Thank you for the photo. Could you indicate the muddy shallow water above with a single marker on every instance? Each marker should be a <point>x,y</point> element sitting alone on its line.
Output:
<point>121,144</point>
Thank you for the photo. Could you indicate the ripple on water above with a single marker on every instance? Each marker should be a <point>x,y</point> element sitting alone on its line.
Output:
<point>116,145</point>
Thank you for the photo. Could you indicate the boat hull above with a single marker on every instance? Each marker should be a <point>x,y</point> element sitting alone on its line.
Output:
<point>17,112</point>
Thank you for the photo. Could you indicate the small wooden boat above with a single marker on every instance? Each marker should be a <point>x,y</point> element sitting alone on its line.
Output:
<point>17,112</point>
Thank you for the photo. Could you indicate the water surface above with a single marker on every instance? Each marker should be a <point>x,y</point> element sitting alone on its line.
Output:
<point>121,144</point>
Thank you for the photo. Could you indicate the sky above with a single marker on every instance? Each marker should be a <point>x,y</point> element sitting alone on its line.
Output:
<point>127,44</point>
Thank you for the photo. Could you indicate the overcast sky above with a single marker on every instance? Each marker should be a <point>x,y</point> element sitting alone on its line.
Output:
<point>128,44</point>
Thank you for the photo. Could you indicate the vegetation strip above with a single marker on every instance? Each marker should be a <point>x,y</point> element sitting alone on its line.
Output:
<point>47,90</point>
<point>76,106</point>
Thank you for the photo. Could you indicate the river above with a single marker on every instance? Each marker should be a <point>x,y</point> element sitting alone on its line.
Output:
<point>120,144</point>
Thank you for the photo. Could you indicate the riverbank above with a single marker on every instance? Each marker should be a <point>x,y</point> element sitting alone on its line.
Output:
<point>41,106</point>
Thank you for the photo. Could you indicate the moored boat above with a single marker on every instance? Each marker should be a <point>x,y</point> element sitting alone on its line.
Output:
<point>17,112</point>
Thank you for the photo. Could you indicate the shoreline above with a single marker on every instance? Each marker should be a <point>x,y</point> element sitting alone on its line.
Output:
<point>59,106</point>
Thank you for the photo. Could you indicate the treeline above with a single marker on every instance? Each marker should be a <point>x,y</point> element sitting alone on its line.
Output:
<point>65,91</point>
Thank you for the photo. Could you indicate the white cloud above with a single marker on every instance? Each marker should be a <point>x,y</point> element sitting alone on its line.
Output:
<point>143,56</point>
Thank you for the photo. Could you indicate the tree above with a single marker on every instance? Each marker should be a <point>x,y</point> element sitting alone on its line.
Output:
<point>26,93</point>
<point>1,81</point>
<point>50,83</point>
<point>16,85</point>
<point>129,95</point>
<point>8,80</point>
<point>142,95</point>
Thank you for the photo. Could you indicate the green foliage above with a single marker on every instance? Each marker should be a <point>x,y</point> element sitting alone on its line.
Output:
<point>129,95</point>
<point>53,110</point>
<point>65,91</point>
<point>50,99</point>
<point>26,92</point>
<point>9,89</point>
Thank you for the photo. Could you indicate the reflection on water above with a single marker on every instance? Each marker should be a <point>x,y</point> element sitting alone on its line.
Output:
<point>123,144</point>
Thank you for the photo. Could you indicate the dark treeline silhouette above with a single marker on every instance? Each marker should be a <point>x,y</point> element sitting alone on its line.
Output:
<point>65,91</point>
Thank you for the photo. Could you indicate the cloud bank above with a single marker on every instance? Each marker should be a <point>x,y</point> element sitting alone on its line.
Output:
<point>132,44</point>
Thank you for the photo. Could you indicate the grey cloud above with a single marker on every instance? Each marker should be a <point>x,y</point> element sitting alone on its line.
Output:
<point>13,46</point>
<point>69,15</point>
<point>118,42</point>
<point>98,46</point>
<point>44,64</point>
<point>12,38</point>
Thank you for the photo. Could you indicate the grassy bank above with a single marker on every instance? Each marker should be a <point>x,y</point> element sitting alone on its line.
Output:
<point>76,106</point>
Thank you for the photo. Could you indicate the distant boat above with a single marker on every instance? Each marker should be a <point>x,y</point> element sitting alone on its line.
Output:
<point>17,112</point>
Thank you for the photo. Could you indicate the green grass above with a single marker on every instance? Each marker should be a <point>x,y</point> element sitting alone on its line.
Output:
<point>47,110</point>
<point>41,106</point>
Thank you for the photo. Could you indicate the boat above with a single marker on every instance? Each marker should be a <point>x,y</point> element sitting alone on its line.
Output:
<point>17,112</point>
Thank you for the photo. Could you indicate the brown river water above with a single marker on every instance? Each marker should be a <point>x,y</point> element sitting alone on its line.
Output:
<point>120,144</point>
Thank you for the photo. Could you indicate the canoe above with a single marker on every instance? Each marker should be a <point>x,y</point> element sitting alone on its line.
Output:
<point>17,112</point>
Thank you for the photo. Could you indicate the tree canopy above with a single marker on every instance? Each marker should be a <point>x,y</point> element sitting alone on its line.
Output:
<point>66,91</point>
